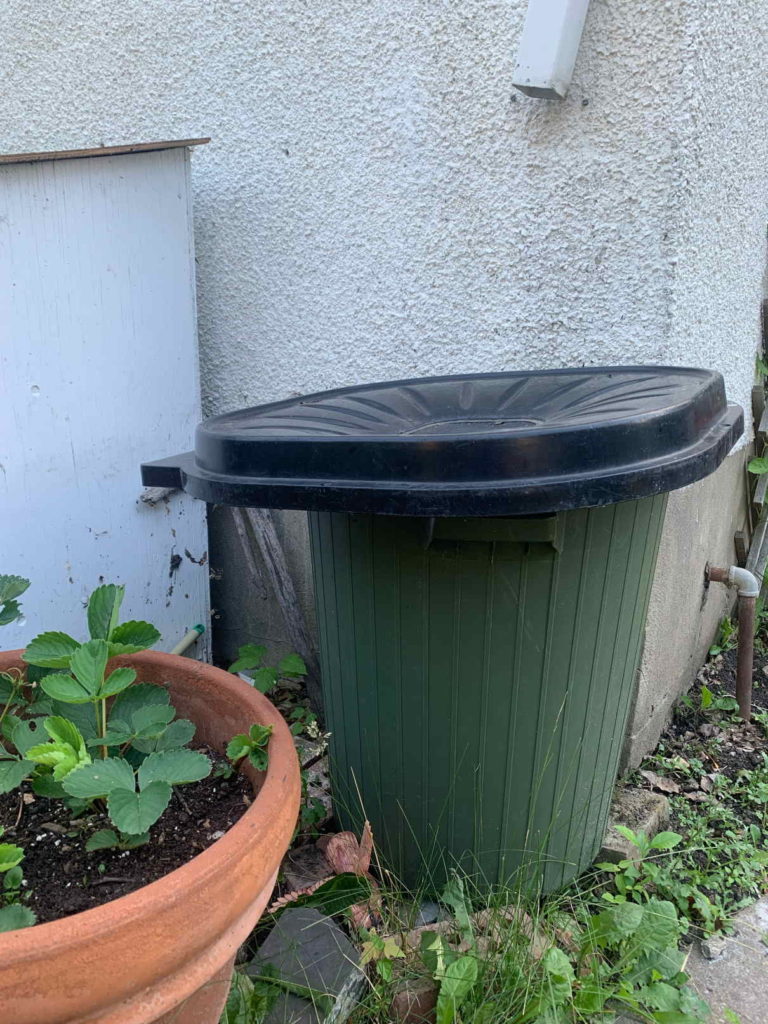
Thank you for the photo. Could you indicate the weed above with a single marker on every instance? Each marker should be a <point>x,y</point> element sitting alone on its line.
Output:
<point>250,660</point>
<point>726,637</point>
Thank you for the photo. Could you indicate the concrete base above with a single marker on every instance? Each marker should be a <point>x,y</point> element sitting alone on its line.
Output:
<point>638,809</point>
<point>682,619</point>
<point>683,615</point>
<point>736,979</point>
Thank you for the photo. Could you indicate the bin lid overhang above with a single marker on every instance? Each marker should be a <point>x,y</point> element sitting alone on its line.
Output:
<point>489,444</point>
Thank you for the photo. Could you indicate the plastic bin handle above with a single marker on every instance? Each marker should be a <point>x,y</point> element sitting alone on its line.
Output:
<point>534,530</point>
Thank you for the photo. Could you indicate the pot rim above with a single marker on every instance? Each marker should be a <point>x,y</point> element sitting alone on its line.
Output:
<point>193,874</point>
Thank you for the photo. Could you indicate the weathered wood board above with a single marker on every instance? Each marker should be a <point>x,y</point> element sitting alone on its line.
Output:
<point>98,372</point>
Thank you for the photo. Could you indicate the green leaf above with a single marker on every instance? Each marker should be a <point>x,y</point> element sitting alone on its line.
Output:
<point>659,928</point>
<point>659,996</point>
<point>239,1006</point>
<point>64,731</point>
<point>456,984</point>
<point>7,687</point>
<point>64,688</point>
<point>178,734</point>
<point>104,609</point>
<point>338,894</point>
<point>10,856</point>
<point>149,722</point>
<point>13,879</point>
<point>264,679</point>
<point>617,923</point>
<point>665,840</point>
<point>81,714</point>
<point>174,767</point>
<point>248,656</point>
<point>99,779</point>
<point>135,812</point>
<point>46,786</point>
<point>131,842</point>
<point>9,612</point>
<point>453,896</point>
<point>40,708</point>
<point>11,587</point>
<point>104,839</point>
<point>561,974</point>
<point>758,466</point>
<point>117,735</point>
<point>16,916</point>
<point>259,734</point>
<point>238,747</point>
<point>25,734</point>
<point>292,665</point>
<point>136,697</point>
<point>50,650</point>
<point>259,759</point>
<point>675,1017</point>
<point>63,758</point>
<point>117,681</point>
<point>88,664</point>
<point>131,637</point>
<point>638,839</point>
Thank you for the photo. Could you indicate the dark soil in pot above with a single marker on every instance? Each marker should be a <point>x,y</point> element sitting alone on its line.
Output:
<point>62,878</point>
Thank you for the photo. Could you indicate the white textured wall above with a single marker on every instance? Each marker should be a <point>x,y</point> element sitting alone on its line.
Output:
<point>379,201</point>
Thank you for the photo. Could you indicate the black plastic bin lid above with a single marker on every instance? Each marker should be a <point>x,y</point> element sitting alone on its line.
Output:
<point>490,444</point>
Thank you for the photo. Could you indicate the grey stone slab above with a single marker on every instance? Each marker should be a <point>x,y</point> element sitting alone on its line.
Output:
<point>308,949</point>
<point>737,979</point>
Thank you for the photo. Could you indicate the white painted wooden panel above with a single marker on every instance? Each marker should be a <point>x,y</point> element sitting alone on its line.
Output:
<point>98,372</point>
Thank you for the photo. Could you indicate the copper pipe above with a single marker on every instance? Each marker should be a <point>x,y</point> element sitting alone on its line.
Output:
<point>745,656</point>
<point>748,590</point>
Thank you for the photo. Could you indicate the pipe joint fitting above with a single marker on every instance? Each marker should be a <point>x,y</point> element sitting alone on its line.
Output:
<point>745,582</point>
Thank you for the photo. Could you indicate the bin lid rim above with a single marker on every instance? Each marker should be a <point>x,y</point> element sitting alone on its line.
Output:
<point>474,444</point>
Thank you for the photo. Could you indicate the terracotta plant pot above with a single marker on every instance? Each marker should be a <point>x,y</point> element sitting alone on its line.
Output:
<point>165,953</point>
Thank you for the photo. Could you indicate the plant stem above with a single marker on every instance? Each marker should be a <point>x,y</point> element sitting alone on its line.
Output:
<point>16,686</point>
<point>104,751</point>
<point>101,722</point>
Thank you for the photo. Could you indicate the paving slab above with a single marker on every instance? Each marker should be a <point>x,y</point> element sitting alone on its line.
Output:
<point>308,949</point>
<point>737,978</point>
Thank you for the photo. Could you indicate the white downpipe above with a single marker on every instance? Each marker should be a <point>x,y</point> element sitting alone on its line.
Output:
<point>548,47</point>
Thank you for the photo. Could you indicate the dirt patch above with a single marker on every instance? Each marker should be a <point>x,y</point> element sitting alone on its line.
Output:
<point>62,878</point>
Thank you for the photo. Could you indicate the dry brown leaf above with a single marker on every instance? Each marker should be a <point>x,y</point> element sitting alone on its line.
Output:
<point>291,897</point>
<point>366,849</point>
<point>660,782</point>
<point>343,853</point>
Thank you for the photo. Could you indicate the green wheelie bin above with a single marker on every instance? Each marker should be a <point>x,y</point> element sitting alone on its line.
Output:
<point>483,548</point>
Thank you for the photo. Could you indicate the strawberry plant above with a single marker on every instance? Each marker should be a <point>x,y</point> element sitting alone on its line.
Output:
<point>91,734</point>
<point>13,914</point>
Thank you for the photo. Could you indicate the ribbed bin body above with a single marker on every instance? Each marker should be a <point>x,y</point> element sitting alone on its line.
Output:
<point>478,674</point>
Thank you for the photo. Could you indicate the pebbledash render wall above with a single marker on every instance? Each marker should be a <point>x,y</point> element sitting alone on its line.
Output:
<point>378,201</point>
